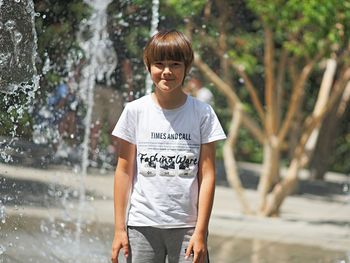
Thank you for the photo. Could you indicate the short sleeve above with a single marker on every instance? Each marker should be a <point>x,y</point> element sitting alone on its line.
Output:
<point>126,125</point>
<point>211,129</point>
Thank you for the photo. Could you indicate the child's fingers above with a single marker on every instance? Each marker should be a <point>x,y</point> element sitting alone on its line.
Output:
<point>114,257</point>
<point>126,249</point>
<point>189,251</point>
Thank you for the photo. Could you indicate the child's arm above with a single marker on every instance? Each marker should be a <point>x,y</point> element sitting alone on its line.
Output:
<point>206,178</point>
<point>122,184</point>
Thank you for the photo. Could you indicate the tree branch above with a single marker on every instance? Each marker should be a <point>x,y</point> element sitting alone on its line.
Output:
<point>281,73</point>
<point>322,98</point>
<point>297,91</point>
<point>312,121</point>
<point>251,89</point>
<point>231,96</point>
<point>230,162</point>
<point>270,123</point>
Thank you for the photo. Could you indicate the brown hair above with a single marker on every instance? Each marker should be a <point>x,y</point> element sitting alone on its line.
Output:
<point>168,45</point>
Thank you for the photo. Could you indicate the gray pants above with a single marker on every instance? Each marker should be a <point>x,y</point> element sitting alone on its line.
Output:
<point>155,245</point>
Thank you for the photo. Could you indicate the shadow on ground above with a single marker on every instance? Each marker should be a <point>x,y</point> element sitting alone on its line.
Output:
<point>250,180</point>
<point>23,192</point>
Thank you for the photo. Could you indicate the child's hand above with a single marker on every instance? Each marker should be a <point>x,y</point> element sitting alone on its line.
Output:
<point>120,241</point>
<point>197,249</point>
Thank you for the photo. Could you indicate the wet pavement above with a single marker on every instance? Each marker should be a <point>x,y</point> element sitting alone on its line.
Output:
<point>42,240</point>
<point>311,228</point>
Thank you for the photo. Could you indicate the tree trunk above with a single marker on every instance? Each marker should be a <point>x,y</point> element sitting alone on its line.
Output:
<point>230,162</point>
<point>295,128</point>
<point>270,172</point>
<point>283,189</point>
<point>320,160</point>
<point>322,99</point>
<point>271,150</point>
<point>321,157</point>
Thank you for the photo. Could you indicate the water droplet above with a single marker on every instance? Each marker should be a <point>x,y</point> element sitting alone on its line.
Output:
<point>2,249</point>
<point>75,193</point>
<point>18,37</point>
<point>17,1</point>
<point>10,24</point>
<point>2,213</point>
<point>4,59</point>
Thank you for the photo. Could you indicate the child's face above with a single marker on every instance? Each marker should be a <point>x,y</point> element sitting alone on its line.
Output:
<point>167,75</point>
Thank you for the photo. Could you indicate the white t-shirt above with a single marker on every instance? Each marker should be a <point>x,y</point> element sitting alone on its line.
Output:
<point>165,186</point>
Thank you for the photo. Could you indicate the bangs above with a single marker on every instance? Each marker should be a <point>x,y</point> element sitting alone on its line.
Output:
<point>167,51</point>
<point>168,45</point>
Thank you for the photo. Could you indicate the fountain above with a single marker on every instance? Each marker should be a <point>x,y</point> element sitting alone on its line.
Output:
<point>154,28</point>
<point>101,60</point>
<point>18,77</point>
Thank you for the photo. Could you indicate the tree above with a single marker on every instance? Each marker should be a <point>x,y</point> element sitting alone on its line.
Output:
<point>275,50</point>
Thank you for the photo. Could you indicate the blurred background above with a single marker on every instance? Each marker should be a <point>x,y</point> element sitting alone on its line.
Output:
<point>276,72</point>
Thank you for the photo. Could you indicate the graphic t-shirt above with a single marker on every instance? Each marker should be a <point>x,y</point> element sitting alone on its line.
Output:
<point>165,186</point>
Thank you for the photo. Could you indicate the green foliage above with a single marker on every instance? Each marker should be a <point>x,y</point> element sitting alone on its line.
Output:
<point>186,8</point>
<point>134,37</point>
<point>248,148</point>
<point>129,29</point>
<point>306,27</point>
<point>56,28</point>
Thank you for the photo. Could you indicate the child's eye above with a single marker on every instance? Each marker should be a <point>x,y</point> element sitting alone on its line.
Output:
<point>176,64</point>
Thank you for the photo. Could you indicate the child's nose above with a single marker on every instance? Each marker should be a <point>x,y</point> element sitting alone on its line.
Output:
<point>167,70</point>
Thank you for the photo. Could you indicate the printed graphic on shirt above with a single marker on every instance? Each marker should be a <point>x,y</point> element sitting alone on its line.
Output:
<point>176,157</point>
<point>171,136</point>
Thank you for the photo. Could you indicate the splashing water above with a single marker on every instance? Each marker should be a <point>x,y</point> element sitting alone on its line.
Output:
<point>19,81</point>
<point>101,63</point>
<point>154,27</point>
<point>18,45</point>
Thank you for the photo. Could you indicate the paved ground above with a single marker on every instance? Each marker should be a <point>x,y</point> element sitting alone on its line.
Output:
<point>310,219</point>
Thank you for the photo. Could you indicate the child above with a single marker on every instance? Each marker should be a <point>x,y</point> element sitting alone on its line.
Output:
<point>167,160</point>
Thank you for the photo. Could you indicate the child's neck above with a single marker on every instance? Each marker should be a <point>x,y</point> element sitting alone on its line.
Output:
<point>171,100</point>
